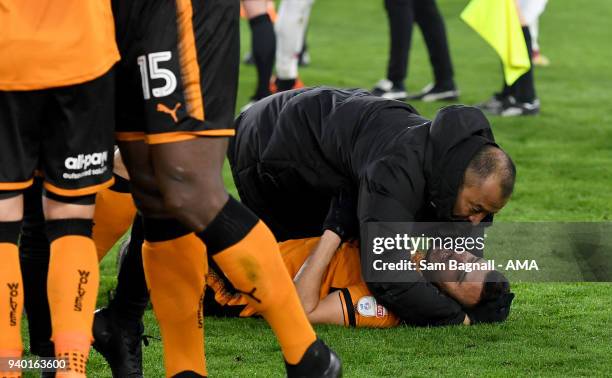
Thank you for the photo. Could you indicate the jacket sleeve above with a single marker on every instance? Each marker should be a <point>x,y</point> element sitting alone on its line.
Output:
<point>418,303</point>
<point>391,192</point>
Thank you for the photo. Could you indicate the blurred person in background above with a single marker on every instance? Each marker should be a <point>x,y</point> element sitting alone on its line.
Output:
<point>291,28</point>
<point>401,15</point>
<point>263,42</point>
<point>520,98</point>
<point>289,45</point>
<point>532,10</point>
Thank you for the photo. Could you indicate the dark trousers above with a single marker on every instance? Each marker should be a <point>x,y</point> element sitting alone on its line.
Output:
<point>523,89</point>
<point>402,14</point>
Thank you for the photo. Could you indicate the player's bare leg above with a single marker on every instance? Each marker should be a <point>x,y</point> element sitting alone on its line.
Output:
<point>241,246</point>
<point>174,262</point>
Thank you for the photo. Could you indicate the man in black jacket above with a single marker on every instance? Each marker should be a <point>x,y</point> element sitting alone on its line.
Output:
<point>297,151</point>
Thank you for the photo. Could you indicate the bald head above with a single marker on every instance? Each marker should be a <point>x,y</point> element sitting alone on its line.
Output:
<point>491,162</point>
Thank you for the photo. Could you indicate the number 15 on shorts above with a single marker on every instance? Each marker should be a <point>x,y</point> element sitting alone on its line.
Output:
<point>149,69</point>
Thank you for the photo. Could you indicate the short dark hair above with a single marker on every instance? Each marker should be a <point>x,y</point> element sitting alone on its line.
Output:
<point>495,285</point>
<point>495,300</point>
<point>491,160</point>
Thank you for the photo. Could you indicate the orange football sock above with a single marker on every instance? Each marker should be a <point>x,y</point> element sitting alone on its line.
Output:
<point>72,288</point>
<point>175,271</point>
<point>11,306</point>
<point>255,267</point>
<point>114,215</point>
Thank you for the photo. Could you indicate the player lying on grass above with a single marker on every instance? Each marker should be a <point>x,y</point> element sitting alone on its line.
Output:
<point>327,275</point>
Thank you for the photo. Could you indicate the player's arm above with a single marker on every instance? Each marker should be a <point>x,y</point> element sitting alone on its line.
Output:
<point>340,224</point>
<point>328,311</point>
<point>308,280</point>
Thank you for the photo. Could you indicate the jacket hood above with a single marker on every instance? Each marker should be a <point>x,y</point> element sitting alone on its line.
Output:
<point>456,134</point>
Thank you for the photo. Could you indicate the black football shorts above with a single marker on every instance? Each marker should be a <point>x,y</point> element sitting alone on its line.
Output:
<point>65,132</point>
<point>178,75</point>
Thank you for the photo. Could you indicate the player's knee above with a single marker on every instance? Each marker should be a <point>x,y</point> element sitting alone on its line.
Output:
<point>142,180</point>
<point>149,203</point>
<point>194,197</point>
<point>213,203</point>
<point>11,206</point>
<point>146,194</point>
<point>195,208</point>
<point>68,207</point>
<point>177,203</point>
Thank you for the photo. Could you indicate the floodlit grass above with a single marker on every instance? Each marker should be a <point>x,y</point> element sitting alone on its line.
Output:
<point>564,160</point>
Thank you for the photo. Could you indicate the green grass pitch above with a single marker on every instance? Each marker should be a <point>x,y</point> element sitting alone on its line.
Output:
<point>564,159</point>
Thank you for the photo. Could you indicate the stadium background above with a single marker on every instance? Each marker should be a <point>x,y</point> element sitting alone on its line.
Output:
<point>564,159</point>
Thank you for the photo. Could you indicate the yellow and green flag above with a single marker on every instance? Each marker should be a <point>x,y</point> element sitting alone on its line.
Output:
<point>497,22</point>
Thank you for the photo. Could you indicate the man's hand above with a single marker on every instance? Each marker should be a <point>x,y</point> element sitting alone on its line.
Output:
<point>342,216</point>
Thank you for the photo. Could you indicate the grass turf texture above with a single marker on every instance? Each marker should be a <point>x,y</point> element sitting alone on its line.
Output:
<point>564,160</point>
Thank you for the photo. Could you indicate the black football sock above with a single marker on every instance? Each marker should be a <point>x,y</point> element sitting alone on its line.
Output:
<point>34,258</point>
<point>131,295</point>
<point>285,84</point>
<point>264,49</point>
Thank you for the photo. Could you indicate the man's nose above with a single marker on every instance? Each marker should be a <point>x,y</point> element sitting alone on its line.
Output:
<point>476,218</point>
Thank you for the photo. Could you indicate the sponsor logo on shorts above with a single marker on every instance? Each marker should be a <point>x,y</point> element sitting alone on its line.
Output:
<point>83,280</point>
<point>84,161</point>
<point>88,164</point>
<point>171,112</point>
<point>366,306</point>
<point>381,311</point>
<point>13,288</point>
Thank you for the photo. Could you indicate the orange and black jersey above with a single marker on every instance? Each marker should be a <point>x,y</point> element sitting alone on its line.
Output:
<point>54,43</point>
<point>342,278</point>
<point>57,94</point>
